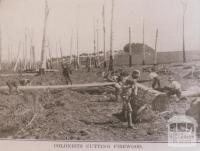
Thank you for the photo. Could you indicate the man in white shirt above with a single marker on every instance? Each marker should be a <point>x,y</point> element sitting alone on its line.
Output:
<point>155,79</point>
<point>174,88</point>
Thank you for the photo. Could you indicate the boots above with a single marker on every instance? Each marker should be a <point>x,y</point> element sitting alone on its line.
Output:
<point>125,115</point>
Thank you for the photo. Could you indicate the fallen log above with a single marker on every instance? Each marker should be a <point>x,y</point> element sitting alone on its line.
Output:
<point>37,87</point>
<point>158,100</point>
<point>192,92</point>
<point>14,74</point>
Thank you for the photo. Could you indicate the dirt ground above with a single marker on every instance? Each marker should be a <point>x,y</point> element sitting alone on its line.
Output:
<point>79,115</point>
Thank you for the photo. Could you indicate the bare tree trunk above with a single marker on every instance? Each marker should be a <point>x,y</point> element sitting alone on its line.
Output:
<point>97,43</point>
<point>155,55</point>
<point>71,45</point>
<point>43,64</point>
<point>184,3</point>
<point>130,48</point>
<point>77,33</point>
<point>104,36</point>
<point>61,54</point>
<point>111,64</point>
<point>0,51</point>
<point>95,63</point>
<point>184,57</point>
<point>57,57</point>
<point>143,37</point>
<point>25,51</point>
<point>33,56</point>
<point>77,47</point>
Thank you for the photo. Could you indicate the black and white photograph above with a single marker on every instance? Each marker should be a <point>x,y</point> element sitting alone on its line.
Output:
<point>118,71</point>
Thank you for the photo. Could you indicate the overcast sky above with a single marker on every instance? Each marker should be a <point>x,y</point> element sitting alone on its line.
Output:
<point>18,16</point>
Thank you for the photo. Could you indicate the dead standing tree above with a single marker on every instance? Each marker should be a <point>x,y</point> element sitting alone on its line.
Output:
<point>71,46</point>
<point>144,53</point>
<point>0,51</point>
<point>25,49</point>
<point>43,64</point>
<point>0,47</point>
<point>95,61</point>
<point>111,63</point>
<point>60,48</point>
<point>155,54</point>
<point>97,55</point>
<point>104,37</point>
<point>77,62</point>
<point>130,48</point>
<point>184,5</point>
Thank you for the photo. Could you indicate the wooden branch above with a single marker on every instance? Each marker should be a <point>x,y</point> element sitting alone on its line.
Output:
<point>31,121</point>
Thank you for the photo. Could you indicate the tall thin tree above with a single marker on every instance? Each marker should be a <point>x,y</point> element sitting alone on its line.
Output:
<point>104,36</point>
<point>25,50</point>
<point>184,5</point>
<point>0,50</point>
<point>130,48</point>
<point>95,63</point>
<point>43,64</point>
<point>143,43</point>
<point>111,63</point>
<point>97,55</point>
<point>155,54</point>
<point>61,51</point>
<point>77,34</point>
<point>71,47</point>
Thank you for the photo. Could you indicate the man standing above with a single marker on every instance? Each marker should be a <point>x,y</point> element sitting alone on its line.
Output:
<point>129,95</point>
<point>66,73</point>
<point>88,67</point>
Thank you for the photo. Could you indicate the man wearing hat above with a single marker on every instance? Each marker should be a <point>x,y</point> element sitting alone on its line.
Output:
<point>129,94</point>
<point>174,87</point>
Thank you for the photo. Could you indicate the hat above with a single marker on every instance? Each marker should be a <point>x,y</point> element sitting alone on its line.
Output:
<point>136,74</point>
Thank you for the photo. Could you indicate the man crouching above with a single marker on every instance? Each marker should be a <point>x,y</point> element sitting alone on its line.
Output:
<point>25,82</point>
<point>12,86</point>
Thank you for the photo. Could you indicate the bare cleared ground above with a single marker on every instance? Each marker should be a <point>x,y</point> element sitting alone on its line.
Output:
<point>72,115</point>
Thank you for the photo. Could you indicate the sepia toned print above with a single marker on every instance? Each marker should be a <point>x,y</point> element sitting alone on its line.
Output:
<point>100,70</point>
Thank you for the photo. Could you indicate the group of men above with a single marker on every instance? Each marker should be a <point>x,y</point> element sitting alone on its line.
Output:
<point>174,87</point>
<point>127,90</point>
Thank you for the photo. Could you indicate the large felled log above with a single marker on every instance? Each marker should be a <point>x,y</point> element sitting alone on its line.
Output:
<point>74,86</point>
<point>192,92</point>
<point>24,74</point>
<point>158,100</point>
<point>194,110</point>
